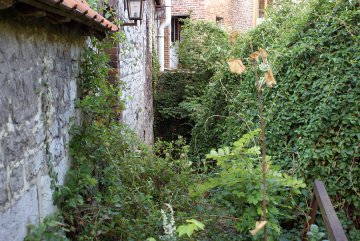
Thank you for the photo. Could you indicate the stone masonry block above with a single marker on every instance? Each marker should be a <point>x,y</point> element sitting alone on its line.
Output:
<point>46,205</point>
<point>15,144</point>
<point>34,164</point>
<point>3,189</point>
<point>17,178</point>
<point>14,220</point>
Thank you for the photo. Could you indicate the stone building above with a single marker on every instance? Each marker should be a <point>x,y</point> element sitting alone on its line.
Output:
<point>135,61</point>
<point>232,15</point>
<point>40,47</point>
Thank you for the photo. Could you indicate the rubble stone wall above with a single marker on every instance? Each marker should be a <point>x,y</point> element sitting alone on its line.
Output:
<point>39,65</point>
<point>136,72</point>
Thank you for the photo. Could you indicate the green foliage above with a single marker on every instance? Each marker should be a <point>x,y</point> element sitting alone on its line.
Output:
<point>311,115</point>
<point>202,52</point>
<point>51,229</point>
<point>237,184</point>
<point>100,98</point>
<point>116,186</point>
<point>314,234</point>
<point>188,229</point>
<point>155,65</point>
<point>170,91</point>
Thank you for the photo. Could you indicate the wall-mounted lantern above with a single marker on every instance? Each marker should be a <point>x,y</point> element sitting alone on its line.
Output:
<point>135,9</point>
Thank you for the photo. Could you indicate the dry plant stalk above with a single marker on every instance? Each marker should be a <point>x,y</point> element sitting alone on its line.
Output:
<point>270,81</point>
<point>263,152</point>
<point>237,67</point>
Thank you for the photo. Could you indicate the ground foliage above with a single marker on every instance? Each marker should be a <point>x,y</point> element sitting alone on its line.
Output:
<point>236,184</point>
<point>312,114</point>
<point>116,186</point>
<point>171,89</point>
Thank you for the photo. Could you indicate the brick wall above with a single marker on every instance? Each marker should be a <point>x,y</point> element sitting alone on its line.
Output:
<point>236,14</point>
<point>194,8</point>
<point>167,47</point>
<point>220,8</point>
<point>243,14</point>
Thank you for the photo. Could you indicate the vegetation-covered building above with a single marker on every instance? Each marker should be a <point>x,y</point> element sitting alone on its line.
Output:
<point>232,15</point>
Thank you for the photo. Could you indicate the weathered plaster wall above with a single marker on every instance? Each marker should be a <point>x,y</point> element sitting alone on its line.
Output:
<point>136,73</point>
<point>38,69</point>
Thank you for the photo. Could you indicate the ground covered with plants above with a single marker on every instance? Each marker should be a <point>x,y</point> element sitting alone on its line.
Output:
<point>311,114</point>
<point>209,184</point>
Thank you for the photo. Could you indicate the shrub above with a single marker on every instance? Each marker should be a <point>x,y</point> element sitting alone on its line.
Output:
<point>236,183</point>
<point>312,114</point>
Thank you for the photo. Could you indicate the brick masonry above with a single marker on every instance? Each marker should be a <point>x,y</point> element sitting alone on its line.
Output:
<point>238,15</point>
<point>39,64</point>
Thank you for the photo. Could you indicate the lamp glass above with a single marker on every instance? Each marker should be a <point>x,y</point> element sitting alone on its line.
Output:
<point>135,9</point>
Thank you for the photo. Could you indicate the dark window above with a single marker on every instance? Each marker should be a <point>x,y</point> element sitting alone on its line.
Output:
<point>219,21</point>
<point>176,25</point>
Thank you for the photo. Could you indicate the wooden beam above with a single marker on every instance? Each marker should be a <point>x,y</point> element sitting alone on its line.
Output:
<point>6,3</point>
<point>29,11</point>
<point>333,226</point>
<point>57,19</point>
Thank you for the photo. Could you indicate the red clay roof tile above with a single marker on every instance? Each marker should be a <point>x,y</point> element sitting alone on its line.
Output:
<point>83,10</point>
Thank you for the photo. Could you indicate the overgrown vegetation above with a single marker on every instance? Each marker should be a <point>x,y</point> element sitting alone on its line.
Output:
<point>120,189</point>
<point>312,115</point>
<point>117,187</point>
<point>237,185</point>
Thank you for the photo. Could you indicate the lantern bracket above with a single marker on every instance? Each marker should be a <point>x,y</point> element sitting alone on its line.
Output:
<point>129,24</point>
<point>137,8</point>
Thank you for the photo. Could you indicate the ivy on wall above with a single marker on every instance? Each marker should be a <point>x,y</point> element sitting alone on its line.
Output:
<point>312,115</point>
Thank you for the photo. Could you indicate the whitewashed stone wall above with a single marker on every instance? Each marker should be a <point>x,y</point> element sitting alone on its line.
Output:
<point>38,69</point>
<point>135,73</point>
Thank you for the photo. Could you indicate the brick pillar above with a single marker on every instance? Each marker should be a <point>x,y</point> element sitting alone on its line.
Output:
<point>114,54</point>
<point>167,48</point>
<point>114,63</point>
<point>114,73</point>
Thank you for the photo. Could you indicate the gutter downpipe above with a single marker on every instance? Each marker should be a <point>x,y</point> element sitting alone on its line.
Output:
<point>161,34</point>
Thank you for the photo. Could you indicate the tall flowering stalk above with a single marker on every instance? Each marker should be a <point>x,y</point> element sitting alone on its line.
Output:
<point>168,225</point>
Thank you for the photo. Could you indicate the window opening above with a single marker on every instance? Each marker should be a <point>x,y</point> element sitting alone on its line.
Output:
<point>219,21</point>
<point>177,23</point>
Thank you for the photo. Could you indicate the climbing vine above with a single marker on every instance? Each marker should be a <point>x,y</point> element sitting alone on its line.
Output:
<point>311,114</point>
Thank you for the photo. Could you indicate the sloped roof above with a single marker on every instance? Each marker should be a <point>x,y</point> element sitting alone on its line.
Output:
<point>83,10</point>
<point>67,10</point>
